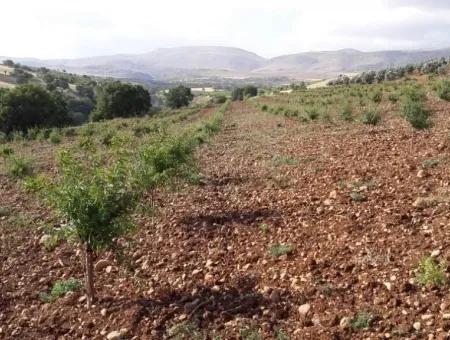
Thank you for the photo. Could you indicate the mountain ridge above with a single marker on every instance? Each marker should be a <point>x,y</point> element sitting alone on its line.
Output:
<point>188,62</point>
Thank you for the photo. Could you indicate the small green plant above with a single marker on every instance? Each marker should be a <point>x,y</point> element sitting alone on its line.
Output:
<point>347,112</point>
<point>443,89</point>
<point>393,98</point>
<point>6,151</point>
<point>59,289</point>
<point>264,228</point>
<point>249,333</point>
<point>431,273</point>
<point>280,249</point>
<point>312,113</point>
<point>357,197</point>
<point>55,137</point>
<point>279,160</point>
<point>264,108</point>
<point>35,184</point>
<point>362,321</point>
<point>416,114</point>
<point>188,331</point>
<point>281,335</point>
<point>377,96</point>
<point>430,163</point>
<point>18,167</point>
<point>371,117</point>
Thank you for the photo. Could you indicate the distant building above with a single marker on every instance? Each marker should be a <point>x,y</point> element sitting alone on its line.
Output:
<point>202,89</point>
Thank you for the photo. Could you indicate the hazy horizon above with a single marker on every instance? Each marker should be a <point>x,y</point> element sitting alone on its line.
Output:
<point>53,30</point>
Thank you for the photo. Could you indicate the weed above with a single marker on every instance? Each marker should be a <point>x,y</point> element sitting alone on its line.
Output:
<point>312,113</point>
<point>347,112</point>
<point>357,197</point>
<point>443,89</point>
<point>362,321</point>
<point>59,289</point>
<point>18,167</point>
<point>430,163</point>
<point>249,333</point>
<point>281,335</point>
<point>371,117</point>
<point>187,331</point>
<point>279,160</point>
<point>377,96</point>
<point>280,249</point>
<point>431,273</point>
<point>55,137</point>
<point>264,228</point>
<point>416,114</point>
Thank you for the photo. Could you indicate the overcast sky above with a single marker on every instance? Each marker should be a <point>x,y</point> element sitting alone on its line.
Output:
<point>59,28</point>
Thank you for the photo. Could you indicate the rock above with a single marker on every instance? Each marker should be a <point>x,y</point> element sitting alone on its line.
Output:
<point>417,326</point>
<point>304,309</point>
<point>103,312</point>
<point>421,173</point>
<point>114,335</point>
<point>333,194</point>
<point>327,202</point>
<point>345,322</point>
<point>101,265</point>
<point>109,269</point>
<point>427,317</point>
<point>435,253</point>
<point>82,299</point>
<point>388,285</point>
<point>446,316</point>
<point>44,239</point>
<point>275,296</point>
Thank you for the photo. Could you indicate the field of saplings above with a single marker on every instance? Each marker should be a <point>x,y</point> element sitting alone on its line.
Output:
<point>317,214</point>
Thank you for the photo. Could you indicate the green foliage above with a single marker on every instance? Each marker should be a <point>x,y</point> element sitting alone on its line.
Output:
<point>264,108</point>
<point>240,93</point>
<point>416,114</point>
<point>55,137</point>
<point>220,99</point>
<point>249,333</point>
<point>377,96</point>
<point>362,321</point>
<point>430,163</point>
<point>279,160</point>
<point>371,117</point>
<point>18,167</point>
<point>30,106</point>
<point>281,335</point>
<point>443,89</point>
<point>95,198</point>
<point>59,289</point>
<point>347,112</point>
<point>35,184</point>
<point>393,98</point>
<point>279,249</point>
<point>178,97</point>
<point>312,113</point>
<point>116,99</point>
<point>414,93</point>
<point>187,331</point>
<point>431,273</point>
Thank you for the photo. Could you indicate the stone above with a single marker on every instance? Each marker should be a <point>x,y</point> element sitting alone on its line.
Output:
<point>304,309</point>
<point>101,265</point>
<point>114,335</point>
<point>417,326</point>
<point>333,194</point>
<point>103,312</point>
<point>345,322</point>
<point>435,253</point>
<point>44,239</point>
<point>446,316</point>
<point>421,173</point>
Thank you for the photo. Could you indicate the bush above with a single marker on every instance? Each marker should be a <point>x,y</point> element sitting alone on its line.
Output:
<point>59,289</point>
<point>371,117</point>
<point>279,249</point>
<point>377,96</point>
<point>18,167</point>
<point>116,99</point>
<point>178,97</point>
<point>443,89</point>
<point>240,93</point>
<point>429,272</point>
<point>312,113</point>
<point>55,137</point>
<point>220,99</point>
<point>29,106</point>
<point>347,112</point>
<point>416,114</point>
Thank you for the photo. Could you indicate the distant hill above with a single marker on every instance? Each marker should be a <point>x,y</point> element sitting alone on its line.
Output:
<point>197,62</point>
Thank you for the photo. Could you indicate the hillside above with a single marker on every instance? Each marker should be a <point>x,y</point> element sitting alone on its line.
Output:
<point>207,62</point>
<point>300,219</point>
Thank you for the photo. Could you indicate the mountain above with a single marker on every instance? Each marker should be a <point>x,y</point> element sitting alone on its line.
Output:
<point>332,63</point>
<point>207,62</point>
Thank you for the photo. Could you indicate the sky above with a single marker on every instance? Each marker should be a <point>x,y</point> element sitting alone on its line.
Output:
<point>83,28</point>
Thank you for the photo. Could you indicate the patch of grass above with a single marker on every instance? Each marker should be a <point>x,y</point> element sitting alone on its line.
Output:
<point>6,151</point>
<point>249,333</point>
<point>362,321</point>
<point>281,335</point>
<point>312,113</point>
<point>416,114</point>
<point>430,163</point>
<point>280,249</point>
<point>443,89</point>
<point>347,112</point>
<point>431,273</point>
<point>279,160</point>
<point>18,167</point>
<point>188,331</point>
<point>55,137</point>
<point>59,289</point>
<point>357,197</point>
<point>371,117</point>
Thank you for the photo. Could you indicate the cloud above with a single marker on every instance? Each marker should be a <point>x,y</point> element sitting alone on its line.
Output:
<point>54,28</point>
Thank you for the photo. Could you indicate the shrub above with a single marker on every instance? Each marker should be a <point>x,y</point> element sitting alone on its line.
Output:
<point>312,113</point>
<point>220,99</point>
<point>280,249</point>
<point>18,167</point>
<point>362,321</point>
<point>116,99</point>
<point>59,289</point>
<point>178,97</point>
<point>377,96</point>
<point>264,108</point>
<point>29,106</point>
<point>347,112</point>
<point>371,117</point>
<point>443,89</point>
<point>416,114</point>
<point>393,98</point>
<point>429,272</point>
<point>55,137</point>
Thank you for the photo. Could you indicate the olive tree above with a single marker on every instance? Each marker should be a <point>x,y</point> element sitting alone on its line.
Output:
<point>178,97</point>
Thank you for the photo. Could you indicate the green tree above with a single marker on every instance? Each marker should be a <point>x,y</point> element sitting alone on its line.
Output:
<point>95,200</point>
<point>28,106</point>
<point>117,99</point>
<point>178,97</point>
<point>237,94</point>
<point>8,62</point>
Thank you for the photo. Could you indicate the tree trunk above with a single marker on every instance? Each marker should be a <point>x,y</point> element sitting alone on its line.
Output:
<point>89,276</point>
